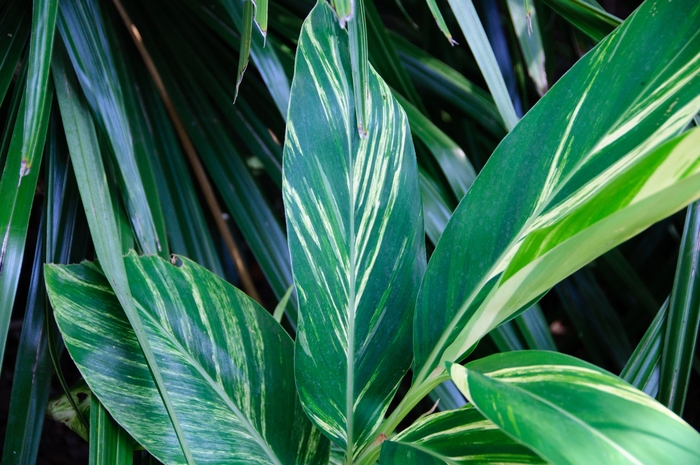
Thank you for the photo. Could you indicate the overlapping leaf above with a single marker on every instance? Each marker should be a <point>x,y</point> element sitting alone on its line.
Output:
<point>460,436</point>
<point>85,34</point>
<point>355,236</point>
<point>544,399</point>
<point>21,171</point>
<point>580,174</point>
<point>224,360</point>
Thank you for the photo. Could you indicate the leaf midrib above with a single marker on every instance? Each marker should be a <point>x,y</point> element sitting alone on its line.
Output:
<point>212,384</point>
<point>524,231</point>
<point>594,431</point>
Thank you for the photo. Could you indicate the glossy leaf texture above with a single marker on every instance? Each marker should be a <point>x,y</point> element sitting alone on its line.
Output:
<point>20,173</point>
<point>355,232</point>
<point>527,29</point>
<point>683,318</point>
<point>473,30</point>
<point>101,217</point>
<point>225,363</point>
<point>579,175</point>
<point>86,34</point>
<point>462,436</point>
<point>109,443</point>
<point>586,15</point>
<point>544,399</point>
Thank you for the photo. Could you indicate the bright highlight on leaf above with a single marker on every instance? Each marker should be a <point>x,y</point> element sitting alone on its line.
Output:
<point>216,348</point>
<point>580,174</point>
<point>555,398</point>
<point>355,236</point>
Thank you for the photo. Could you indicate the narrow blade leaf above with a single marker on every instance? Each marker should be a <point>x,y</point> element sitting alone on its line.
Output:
<point>21,170</point>
<point>483,53</point>
<point>683,318</point>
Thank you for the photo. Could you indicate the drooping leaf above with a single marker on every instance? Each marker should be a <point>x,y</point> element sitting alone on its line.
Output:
<point>359,63</point>
<point>265,58</point>
<point>544,399</point>
<point>33,367</point>
<point>438,78</point>
<point>462,436</point>
<point>468,20</point>
<point>15,25</point>
<point>21,170</point>
<point>355,235</point>
<point>570,188</point>
<point>440,21</point>
<point>97,202</point>
<point>683,318</point>
<point>527,29</point>
<point>85,34</point>
<point>643,368</point>
<point>216,348</point>
<point>586,16</point>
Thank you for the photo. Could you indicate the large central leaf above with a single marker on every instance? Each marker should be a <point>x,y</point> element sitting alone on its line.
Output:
<point>355,236</point>
<point>583,171</point>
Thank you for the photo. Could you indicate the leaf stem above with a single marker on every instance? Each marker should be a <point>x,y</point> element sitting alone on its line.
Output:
<point>415,394</point>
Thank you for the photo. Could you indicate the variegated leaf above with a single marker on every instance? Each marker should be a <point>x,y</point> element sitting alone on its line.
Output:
<point>461,436</point>
<point>579,175</point>
<point>225,362</point>
<point>572,412</point>
<point>355,236</point>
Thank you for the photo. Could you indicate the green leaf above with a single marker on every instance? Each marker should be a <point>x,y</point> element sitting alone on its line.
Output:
<point>92,184</point>
<point>246,40</point>
<point>524,18</point>
<point>535,330</point>
<point>219,151</point>
<point>109,443</point>
<point>438,78</point>
<point>265,58</point>
<point>460,436</point>
<point>21,170</point>
<point>455,166</point>
<point>473,31</point>
<point>261,12</point>
<point>384,58</point>
<point>15,25</point>
<point>216,348</point>
<point>587,16</point>
<point>85,34</point>
<point>436,208</point>
<point>359,63</point>
<point>344,10</point>
<point>642,369</point>
<point>440,21</point>
<point>32,372</point>
<point>355,234</point>
<point>33,367</point>
<point>683,318</point>
<point>552,398</point>
<point>579,175</point>
<point>63,409</point>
